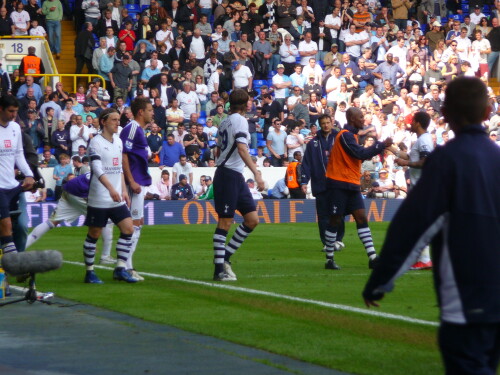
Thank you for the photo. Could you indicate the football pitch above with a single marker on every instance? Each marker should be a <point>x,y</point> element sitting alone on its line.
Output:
<point>284,300</point>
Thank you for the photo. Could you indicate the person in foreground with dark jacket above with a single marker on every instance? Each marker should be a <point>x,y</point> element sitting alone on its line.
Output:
<point>314,169</point>
<point>455,206</point>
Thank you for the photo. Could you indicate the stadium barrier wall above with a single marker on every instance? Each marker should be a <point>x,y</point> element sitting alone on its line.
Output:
<point>270,211</point>
<point>270,175</point>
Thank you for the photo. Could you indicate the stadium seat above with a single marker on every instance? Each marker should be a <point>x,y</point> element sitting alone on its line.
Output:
<point>269,82</point>
<point>203,114</point>
<point>39,150</point>
<point>269,192</point>
<point>260,137</point>
<point>253,151</point>
<point>202,121</point>
<point>322,64</point>
<point>272,73</point>
<point>144,7</point>
<point>258,83</point>
<point>134,8</point>
<point>261,143</point>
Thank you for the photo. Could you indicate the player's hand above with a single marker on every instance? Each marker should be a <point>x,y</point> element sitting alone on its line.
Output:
<point>126,198</point>
<point>260,182</point>
<point>136,188</point>
<point>28,183</point>
<point>304,189</point>
<point>401,162</point>
<point>115,196</point>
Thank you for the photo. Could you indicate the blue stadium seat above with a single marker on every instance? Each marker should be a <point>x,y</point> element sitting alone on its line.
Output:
<point>269,83</point>
<point>253,151</point>
<point>133,8</point>
<point>144,7</point>
<point>39,150</point>
<point>202,121</point>
<point>322,64</point>
<point>203,114</point>
<point>260,136</point>
<point>258,82</point>
<point>272,73</point>
<point>269,192</point>
<point>261,143</point>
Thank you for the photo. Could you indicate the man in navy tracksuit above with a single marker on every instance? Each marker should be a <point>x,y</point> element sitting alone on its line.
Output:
<point>314,164</point>
<point>455,205</point>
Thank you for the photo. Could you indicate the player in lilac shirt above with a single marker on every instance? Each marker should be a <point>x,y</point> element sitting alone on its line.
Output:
<point>136,154</point>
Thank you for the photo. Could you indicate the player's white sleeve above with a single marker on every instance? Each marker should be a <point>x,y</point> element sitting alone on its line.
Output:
<point>240,130</point>
<point>95,160</point>
<point>21,162</point>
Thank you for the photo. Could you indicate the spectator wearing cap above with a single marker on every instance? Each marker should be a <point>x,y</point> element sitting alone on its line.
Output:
<point>477,14</point>
<point>182,190</point>
<point>103,105</point>
<point>434,35</point>
<point>242,76</point>
<point>87,110</point>
<point>281,83</point>
<point>312,87</point>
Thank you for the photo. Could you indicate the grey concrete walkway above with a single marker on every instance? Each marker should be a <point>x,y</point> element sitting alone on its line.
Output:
<point>66,338</point>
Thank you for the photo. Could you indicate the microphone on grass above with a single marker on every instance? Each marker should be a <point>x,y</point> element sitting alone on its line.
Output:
<point>31,262</point>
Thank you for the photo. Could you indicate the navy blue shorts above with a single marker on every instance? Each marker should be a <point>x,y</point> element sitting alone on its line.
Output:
<point>231,193</point>
<point>344,202</point>
<point>98,217</point>
<point>8,201</point>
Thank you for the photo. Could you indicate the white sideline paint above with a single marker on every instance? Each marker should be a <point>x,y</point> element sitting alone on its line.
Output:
<point>329,305</point>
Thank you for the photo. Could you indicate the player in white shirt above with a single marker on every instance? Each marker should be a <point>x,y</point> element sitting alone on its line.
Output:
<point>231,193</point>
<point>11,155</point>
<point>107,198</point>
<point>415,159</point>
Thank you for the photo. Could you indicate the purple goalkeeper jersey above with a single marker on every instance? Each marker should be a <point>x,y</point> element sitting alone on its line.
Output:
<point>78,186</point>
<point>135,145</point>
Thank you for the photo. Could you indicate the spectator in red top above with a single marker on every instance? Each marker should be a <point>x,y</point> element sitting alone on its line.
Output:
<point>127,35</point>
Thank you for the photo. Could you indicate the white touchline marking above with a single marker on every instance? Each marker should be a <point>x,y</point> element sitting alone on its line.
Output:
<point>334,306</point>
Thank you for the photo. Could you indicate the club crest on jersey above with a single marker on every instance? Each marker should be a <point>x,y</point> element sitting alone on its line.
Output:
<point>115,161</point>
<point>7,143</point>
<point>315,143</point>
<point>128,144</point>
<point>135,212</point>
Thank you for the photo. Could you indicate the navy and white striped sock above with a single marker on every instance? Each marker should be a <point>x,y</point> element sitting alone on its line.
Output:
<point>219,240</point>
<point>89,252</point>
<point>240,235</point>
<point>123,249</point>
<point>330,238</point>
<point>7,244</point>
<point>365,235</point>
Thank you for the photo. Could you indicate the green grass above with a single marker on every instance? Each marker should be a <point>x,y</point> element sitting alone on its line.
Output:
<point>279,258</point>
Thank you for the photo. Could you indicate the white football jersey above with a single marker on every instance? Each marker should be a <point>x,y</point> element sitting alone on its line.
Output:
<point>232,130</point>
<point>421,147</point>
<point>111,159</point>
<point>11,154</point>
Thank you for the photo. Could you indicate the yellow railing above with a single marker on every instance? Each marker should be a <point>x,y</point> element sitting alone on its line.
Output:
<point>89,77</point>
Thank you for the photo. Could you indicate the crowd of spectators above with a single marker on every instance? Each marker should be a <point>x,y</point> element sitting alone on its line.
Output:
<point>298,59</point>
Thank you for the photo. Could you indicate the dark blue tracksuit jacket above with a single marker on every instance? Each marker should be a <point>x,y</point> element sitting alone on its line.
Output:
<point>455,205</point>
<point>315,160</point>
